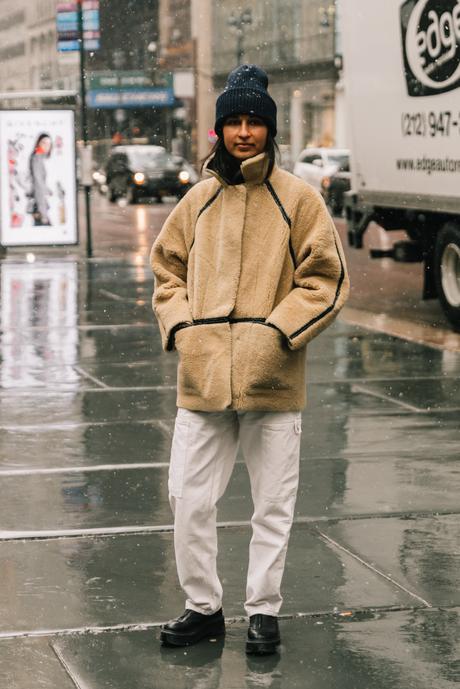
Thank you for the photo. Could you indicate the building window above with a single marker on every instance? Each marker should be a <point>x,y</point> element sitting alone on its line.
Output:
<point>12,20</point>
<point>12,51</point>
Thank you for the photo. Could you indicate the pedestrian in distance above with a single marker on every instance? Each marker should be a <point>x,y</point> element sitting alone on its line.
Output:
<point>248,269</point>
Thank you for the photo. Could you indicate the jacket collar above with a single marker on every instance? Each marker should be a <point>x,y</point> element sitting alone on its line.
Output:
<point>254,170</point>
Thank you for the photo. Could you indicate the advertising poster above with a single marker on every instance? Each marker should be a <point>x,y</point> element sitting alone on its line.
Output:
<point>37,178</point>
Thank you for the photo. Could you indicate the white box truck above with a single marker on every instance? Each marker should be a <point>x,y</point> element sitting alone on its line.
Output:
<point>401,62</point>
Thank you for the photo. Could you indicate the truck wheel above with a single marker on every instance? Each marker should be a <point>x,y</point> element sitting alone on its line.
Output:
<point>447,271</point>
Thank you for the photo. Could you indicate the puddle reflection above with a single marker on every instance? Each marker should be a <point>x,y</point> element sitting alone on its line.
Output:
<point>38,323</point>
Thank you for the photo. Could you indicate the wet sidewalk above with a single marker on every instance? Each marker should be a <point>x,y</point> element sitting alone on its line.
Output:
<point>87,404</point>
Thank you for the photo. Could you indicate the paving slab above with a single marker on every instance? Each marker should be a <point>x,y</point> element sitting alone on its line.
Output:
<point>16,375</point>
<point>343,434</point>
<point>354,485</point>
<point>423,553</point>
<point>109,405</point>
<point>125,313</point>
<point>331,360</point>
<point>86,407</point>
<point>431,394</point>
<point>335,436</point>
<point>81,500</point>
<point>82,582</point>
<point>160,371</point>
<point>329,487</point>
<point>361,353</point>
<point>123,271</point>
<point>395,364</point>
<point>130,343</point>
<point>67,445</point>
<point>410,650</point>
<point>157,369</point>
<point>58,345</point>
<point>26,663</point>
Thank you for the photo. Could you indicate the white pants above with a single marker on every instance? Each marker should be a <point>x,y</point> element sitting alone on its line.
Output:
<point>204,449</point>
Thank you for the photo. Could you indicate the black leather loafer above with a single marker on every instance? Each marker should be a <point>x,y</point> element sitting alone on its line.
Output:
<point>263,635</point>
<point>192,627</point>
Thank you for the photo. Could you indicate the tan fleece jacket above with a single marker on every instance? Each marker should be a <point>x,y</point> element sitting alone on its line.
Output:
<point>256,270</point>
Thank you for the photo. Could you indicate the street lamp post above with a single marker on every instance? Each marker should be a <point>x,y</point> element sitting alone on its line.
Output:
<point>86,150</point>
<point>239,22</point>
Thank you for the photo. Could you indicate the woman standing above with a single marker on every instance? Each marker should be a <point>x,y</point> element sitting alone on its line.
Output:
<point>39,191</point>
<point>248,269</point>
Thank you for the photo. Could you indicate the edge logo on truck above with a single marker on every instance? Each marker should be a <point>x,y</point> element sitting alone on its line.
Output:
<point>431,45</point>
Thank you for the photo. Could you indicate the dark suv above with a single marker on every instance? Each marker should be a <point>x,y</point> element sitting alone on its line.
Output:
<point>138,171</point>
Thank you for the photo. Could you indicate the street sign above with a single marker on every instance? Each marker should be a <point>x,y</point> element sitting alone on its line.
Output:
<point>73,46</point>
<point>118,79</point>
<point>130,98</point>
<point>67,25</point>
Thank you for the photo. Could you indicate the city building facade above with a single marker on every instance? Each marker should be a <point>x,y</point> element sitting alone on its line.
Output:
<point>202,26</point>
<point>127,65</point>
<point>29,60</point>
<point>296,42</point>
<point>189,47</point>
<point>177,60</point>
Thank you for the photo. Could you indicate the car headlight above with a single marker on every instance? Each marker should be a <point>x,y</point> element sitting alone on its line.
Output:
<point>139,177</point>
<point>99,177</point>
<point>184,176</point>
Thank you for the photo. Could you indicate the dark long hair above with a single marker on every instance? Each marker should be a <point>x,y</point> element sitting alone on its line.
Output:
<point>227,166</point>
<point>40,138</point>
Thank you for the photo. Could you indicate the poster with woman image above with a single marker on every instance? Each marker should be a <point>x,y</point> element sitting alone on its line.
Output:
<point>37,178</point>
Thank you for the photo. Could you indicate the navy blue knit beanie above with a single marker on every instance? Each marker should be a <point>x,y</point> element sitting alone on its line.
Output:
<point>245,93</point>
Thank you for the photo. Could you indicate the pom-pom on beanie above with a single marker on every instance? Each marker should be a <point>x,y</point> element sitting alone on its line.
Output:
<point>245,93</point>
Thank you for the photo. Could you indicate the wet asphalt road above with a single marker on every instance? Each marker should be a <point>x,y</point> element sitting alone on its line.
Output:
<point>87,403</point>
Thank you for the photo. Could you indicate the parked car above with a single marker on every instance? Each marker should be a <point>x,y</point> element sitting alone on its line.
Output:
<point>143,171</point>
<point>313,164</point>
<point>333,189</point>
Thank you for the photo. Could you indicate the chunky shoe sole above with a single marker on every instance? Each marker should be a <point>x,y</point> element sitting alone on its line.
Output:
<point>262,648</point>
<point>211,632</point>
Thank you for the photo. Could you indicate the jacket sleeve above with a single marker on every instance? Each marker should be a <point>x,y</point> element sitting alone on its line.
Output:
<point>169,259</point>
<point>321,283</point>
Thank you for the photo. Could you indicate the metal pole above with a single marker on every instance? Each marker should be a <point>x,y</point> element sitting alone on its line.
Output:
<point>84,125</point>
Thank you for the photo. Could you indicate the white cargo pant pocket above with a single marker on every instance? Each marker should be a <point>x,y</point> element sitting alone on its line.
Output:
<point>178,460</point>
<point>280,462</point>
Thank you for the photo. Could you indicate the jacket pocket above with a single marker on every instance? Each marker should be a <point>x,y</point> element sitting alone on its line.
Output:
<point>269,363</point>
<point>203,376</point>
<point>281,451</point>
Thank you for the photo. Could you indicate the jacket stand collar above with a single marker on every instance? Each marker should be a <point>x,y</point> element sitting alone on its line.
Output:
<point>254,170</point>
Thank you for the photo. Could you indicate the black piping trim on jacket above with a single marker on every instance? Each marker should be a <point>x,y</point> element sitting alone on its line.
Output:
<point>208,203</point>
<point>172,335</point>
<point>329,308</point>
<point>228,319</point>
<point>212,321</point>
<point>286,217</point>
